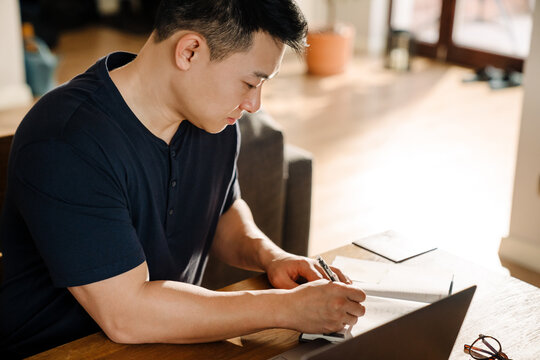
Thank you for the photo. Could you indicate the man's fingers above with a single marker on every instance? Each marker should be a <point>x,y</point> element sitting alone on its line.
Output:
<point>312,272</point>
<point>342,277</point>
<point>350,319</point>
<point>356,295</point>
<point>356,310</point>
<point>353,293</point>
<point>283,282</point>
<point>321,272</point>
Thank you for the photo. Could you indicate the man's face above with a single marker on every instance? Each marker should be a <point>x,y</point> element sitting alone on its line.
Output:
<point>220,91</point>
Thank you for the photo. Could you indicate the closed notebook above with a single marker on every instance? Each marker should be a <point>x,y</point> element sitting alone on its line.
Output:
<point>394,246</point>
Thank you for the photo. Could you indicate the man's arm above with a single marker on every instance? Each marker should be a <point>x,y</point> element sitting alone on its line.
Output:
<point>240,243</point>
<point>131,309</point>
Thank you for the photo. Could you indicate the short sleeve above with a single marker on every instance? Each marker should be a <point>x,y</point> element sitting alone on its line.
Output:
<point>76,213</point>
<point>233,192</point>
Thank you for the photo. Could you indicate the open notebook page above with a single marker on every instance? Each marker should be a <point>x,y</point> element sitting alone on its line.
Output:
<point>378,311</point>
<point>397,280</point>
<point>392,290</point>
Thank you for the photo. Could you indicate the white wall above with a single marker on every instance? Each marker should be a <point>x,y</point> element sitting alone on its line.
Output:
<point>369,17</point>
<point>523,243</point>
<point>13,89</point>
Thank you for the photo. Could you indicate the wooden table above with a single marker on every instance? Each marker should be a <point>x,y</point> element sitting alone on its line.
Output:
<point>504,307</point>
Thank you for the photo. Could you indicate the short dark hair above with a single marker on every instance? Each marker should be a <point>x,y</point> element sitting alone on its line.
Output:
<point>228,25</point>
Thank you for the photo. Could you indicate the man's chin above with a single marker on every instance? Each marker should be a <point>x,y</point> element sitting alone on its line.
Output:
<point>215,130</point>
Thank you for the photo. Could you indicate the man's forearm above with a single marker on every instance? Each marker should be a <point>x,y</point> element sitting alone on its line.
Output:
<point>240,243</point>
<point>131,310</point>
<point>172,312</point>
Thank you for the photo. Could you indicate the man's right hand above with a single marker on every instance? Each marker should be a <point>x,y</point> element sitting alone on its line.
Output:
<point>323,307</point>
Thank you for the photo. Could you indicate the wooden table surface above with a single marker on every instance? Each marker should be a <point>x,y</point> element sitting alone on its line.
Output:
<point>503,307</point>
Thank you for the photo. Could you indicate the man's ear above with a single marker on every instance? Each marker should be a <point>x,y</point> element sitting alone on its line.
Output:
<point>190,47</point>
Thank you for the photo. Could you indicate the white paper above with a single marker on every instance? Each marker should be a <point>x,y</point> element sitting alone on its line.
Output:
<point>396,280</point>
<point>392,290</point>
<point>381,310</point>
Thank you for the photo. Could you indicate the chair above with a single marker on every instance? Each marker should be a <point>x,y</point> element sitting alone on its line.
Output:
<point>275,181</point>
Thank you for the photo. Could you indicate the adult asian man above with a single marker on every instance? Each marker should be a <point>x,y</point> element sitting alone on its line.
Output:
<point>124,179</point>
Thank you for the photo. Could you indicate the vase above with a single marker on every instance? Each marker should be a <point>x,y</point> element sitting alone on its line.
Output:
<point>329,51</point>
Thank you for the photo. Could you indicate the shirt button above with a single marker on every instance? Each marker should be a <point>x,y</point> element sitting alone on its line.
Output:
<point>173,153</point>
<point>171,211</point>
<point>173,183</point>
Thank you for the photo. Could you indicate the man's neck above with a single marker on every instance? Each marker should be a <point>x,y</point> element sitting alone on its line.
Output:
<point>144,90</point>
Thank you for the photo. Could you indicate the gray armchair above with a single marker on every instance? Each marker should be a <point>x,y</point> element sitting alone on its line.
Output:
<point>275,181</point>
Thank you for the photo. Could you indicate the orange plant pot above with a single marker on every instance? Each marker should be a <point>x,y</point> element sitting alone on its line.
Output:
<point>329,52</point>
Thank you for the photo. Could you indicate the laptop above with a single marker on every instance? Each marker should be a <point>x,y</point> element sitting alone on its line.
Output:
<point>427,333</point>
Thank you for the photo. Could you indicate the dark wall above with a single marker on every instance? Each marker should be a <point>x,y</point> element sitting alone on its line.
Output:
<point>5,144</point>
<point>52,17</point>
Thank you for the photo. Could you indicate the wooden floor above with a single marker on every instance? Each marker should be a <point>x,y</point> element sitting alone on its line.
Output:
<point>420,152</point>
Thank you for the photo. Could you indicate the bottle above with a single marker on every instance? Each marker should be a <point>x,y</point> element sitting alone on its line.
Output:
<point>39,62</point>
<point>29,38</point>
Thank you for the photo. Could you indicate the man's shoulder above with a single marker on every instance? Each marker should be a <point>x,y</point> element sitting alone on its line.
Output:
<point>67,103</point>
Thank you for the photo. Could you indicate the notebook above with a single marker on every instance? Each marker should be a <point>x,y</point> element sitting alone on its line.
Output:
<point>400,281</point>
<point>394,246</point>
<point>392,290</point>
<point>426,333</point>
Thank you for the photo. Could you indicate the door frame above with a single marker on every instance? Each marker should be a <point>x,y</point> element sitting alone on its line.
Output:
<point>446,50</point>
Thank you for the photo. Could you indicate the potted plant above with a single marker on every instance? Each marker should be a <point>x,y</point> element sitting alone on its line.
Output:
<point>330,47</point>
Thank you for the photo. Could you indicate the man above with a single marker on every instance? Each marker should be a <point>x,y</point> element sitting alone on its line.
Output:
<point>121,181</point>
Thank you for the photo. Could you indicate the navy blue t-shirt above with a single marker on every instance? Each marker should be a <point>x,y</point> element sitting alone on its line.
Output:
<point>92,193</point>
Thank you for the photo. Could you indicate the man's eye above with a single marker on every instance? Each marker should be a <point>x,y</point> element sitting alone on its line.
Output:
<point>249,86</point>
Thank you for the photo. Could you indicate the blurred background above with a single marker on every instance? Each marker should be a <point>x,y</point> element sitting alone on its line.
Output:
<point>416,129</point>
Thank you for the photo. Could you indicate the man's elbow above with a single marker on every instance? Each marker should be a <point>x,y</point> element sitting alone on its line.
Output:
<point>121,331</point>
<point>127,331</point>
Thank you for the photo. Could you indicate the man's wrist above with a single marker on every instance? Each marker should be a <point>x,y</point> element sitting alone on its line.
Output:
<point>280,306</point>
<point>268,252</point>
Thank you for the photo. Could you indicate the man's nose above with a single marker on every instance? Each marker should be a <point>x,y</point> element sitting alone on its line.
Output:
<point>252,103</point>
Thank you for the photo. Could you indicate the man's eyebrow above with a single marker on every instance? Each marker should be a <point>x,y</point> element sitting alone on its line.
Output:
<point>263,75</point>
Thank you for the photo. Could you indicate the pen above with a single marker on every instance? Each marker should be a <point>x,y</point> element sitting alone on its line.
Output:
<point>327,269</point>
